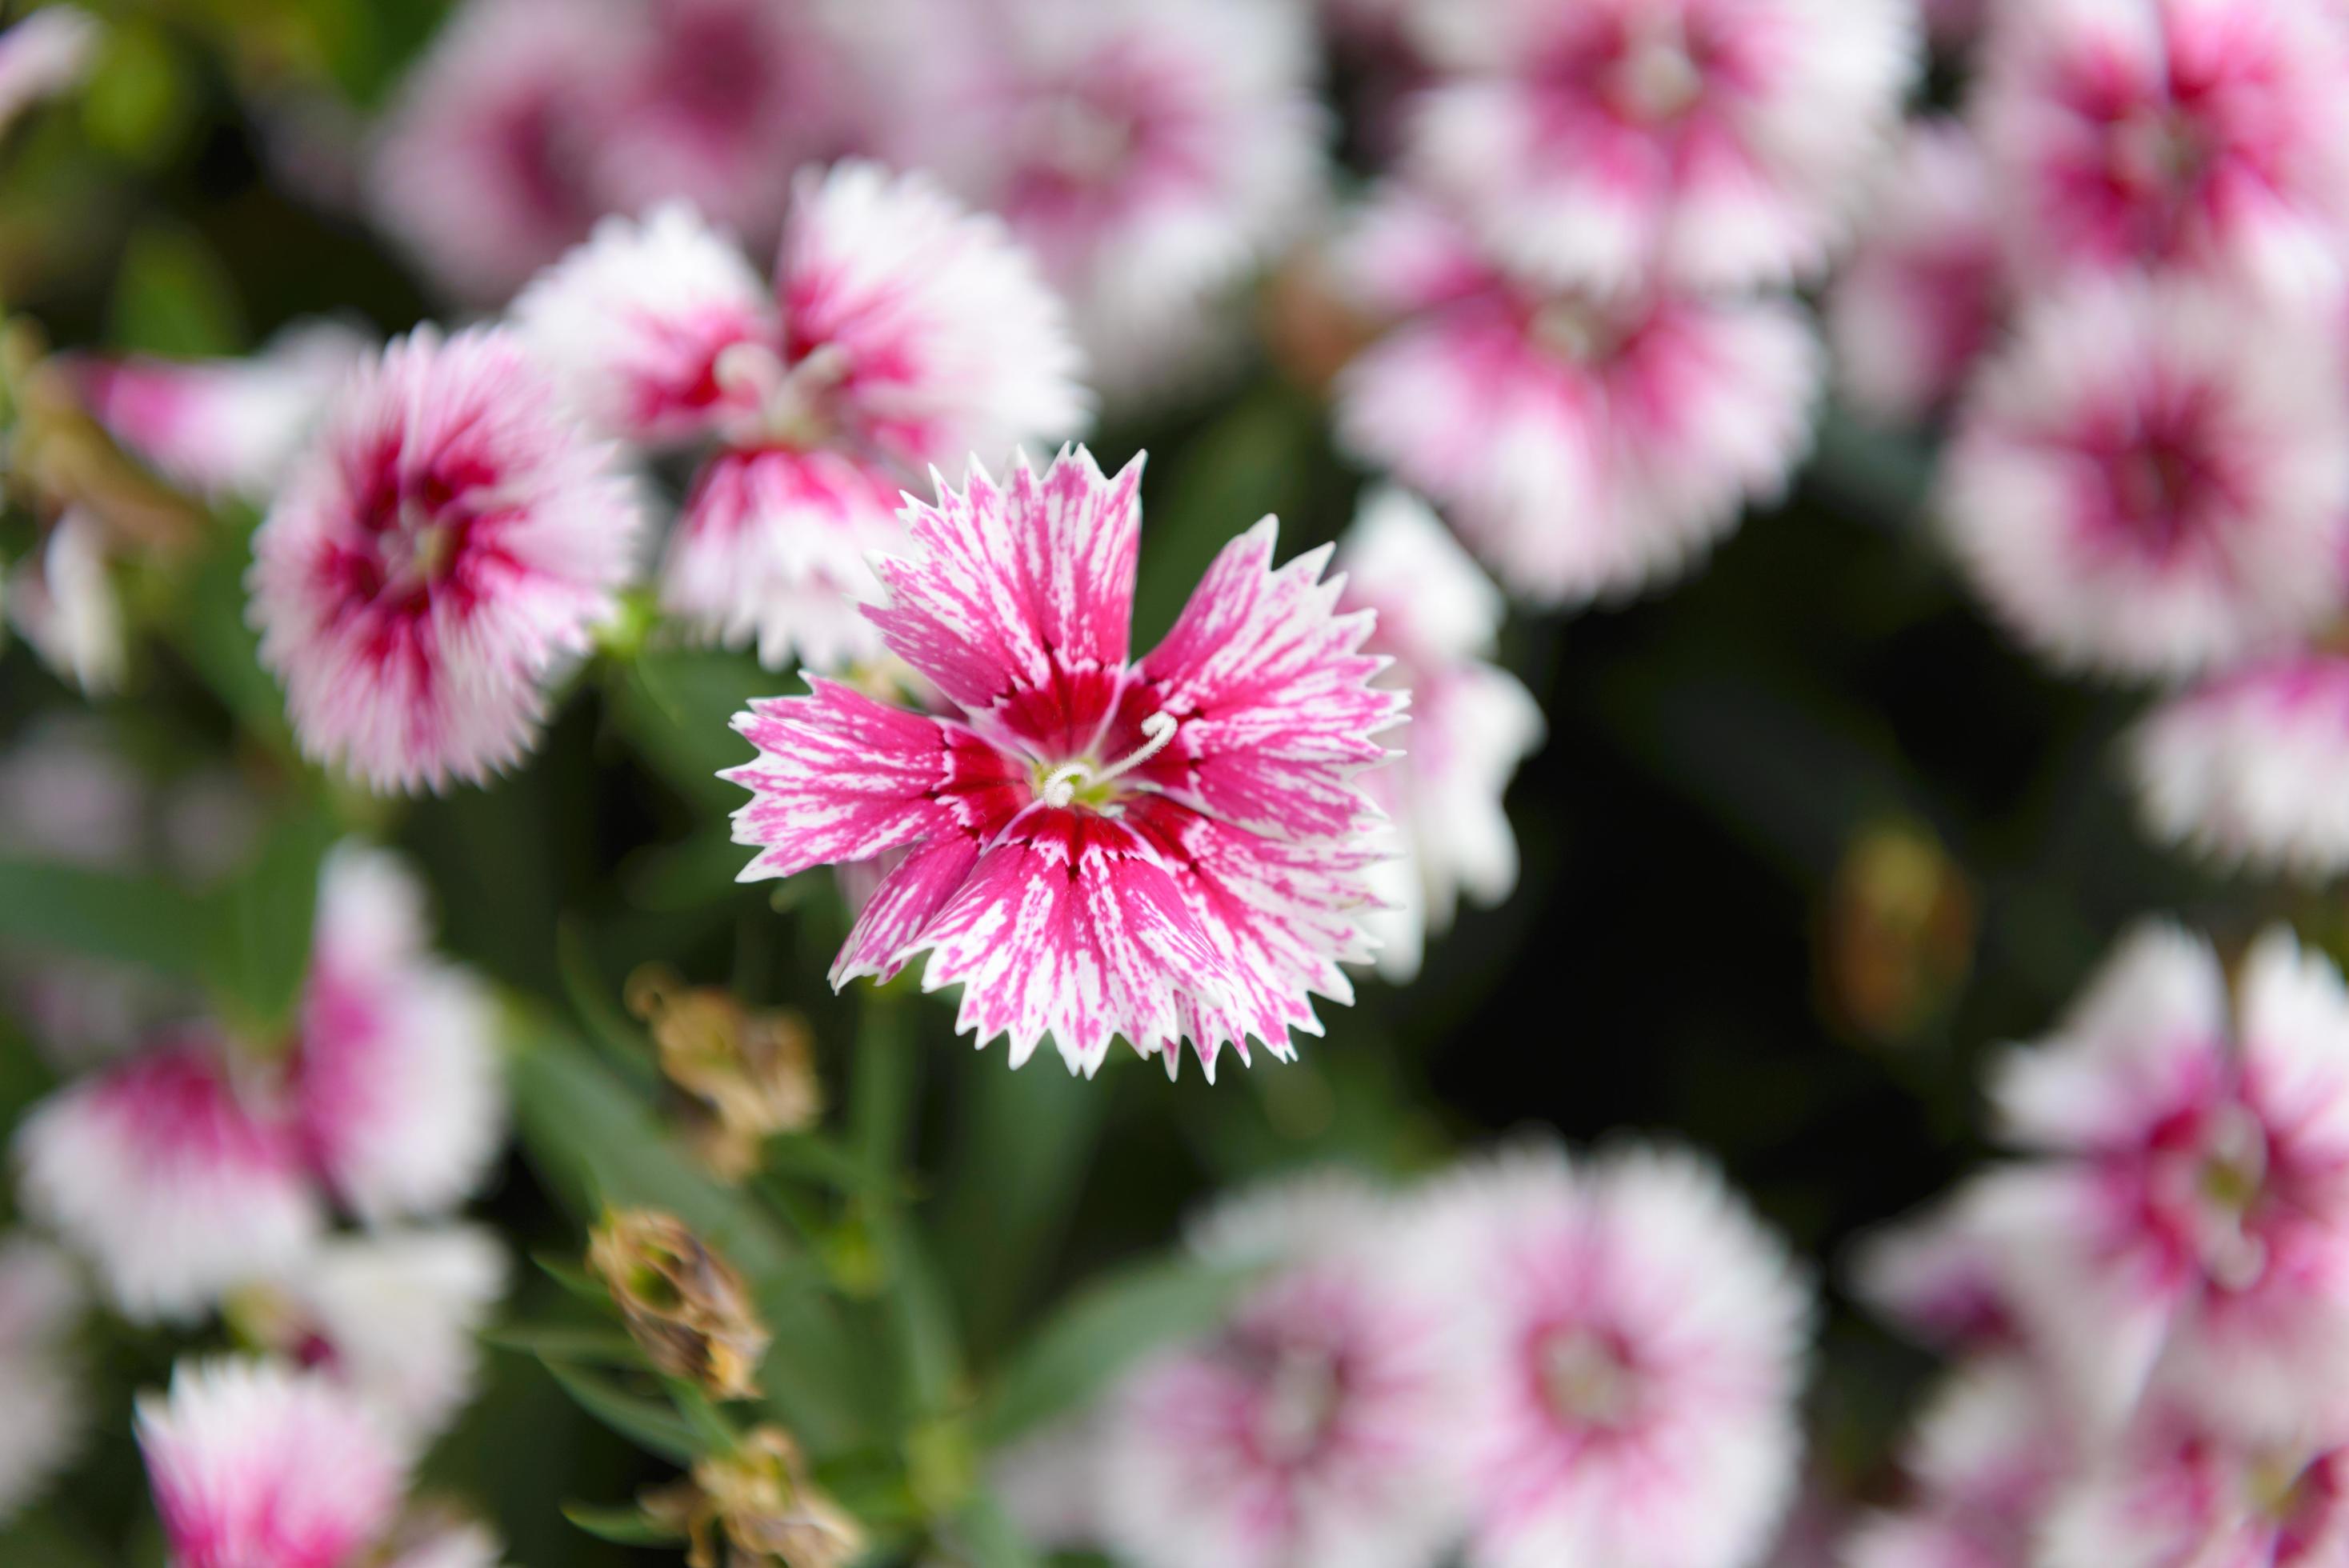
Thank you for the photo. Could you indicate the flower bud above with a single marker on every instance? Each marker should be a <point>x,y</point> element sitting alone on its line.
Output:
<point>686,1306</point>
<point>761,1497</point>
<point>749,1075</point>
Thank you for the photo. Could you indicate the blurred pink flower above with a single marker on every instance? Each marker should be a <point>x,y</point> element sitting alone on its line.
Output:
<point>485,166</point>
<point>2252,767</point>
<point>62,601</point>
<point>443,544</point>
<point>2150,480</point>
<point>1472,722</point>
<point>2186,1205</point>
<point>1624,143</point>
<point>1924,293</point>
<point>223,427</point>
<point>254,1464</point>
<point>1941,1277</point>
<point>396,1079</point>
<point>1633,1343</point>
<point>720,102</point>
<point>902,333</point>
<point>1584,446</point>
<point>175,1180</point>
<point>2176,1492</point>
<point>42,1380</point>
<point>1314,1425</point>
<point>44,55</point>
<point>2209,136</point>
<point>1166,850</point>
<point>1153,156</point>
<point>1985,1462</point>
<point>391,1316</point>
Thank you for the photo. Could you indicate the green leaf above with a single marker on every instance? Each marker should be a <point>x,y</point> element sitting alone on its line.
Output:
<point>262,924</point>
<point>985,1537</point>
<point>674,705</point>
<point>573,1278</point>
<point>596,1144</point>
<point>1099,1331</point>
<point>174,295</point>
<point>138,920</point>
<point>571,1342</point>
<point>622,1526</point>
<point>212,635</point>
<point>646,1423</point>
<point>617,1038</point>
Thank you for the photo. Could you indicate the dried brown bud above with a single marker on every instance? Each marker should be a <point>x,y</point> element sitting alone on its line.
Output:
<point>685,1305</point>
<point>1897,932</point>
<point>750,1075</point>
<point>761,1498</point>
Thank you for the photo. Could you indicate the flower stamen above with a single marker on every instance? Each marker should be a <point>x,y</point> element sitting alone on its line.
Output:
<point>1059,787</point>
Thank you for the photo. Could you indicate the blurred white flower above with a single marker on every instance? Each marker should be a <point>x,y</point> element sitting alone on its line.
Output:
<point>41,1378</point>
<point>1472,722</point>
<point>1585,446</point>
<point>1315,1426</point>
<point>62,601</point>
<point>1616,144</point>
<point>2151,480</point>
<point>2252,767</point>
<point>1633,1343</point>
<point>1984,1463</point>
<point>44,55</point>
<point>395,1078</point>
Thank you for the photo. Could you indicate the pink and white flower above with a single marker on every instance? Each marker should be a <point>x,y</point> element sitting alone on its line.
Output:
<point>901,332</point>
<point>447,540</point>
<point>391,1316</point>
<point>1153,156</point>
<point>2176,1492</point>
<point>2186,1205</point>
<point>44,55</point>
<point>253,1463</point>
<point>1633,1343</point>
<point>486,167</point>
<point>1942,1276</point>
<point>41,1379</point>
<point>223,427</point>
<point>1922,297</point>
<point>174,1177</point>
<point>1583,445</point>
<point>1313,1425</point>
<point>1472,722</point>
<point>63,602</point>
<point>2150,480</point>
<point>720,102</point>
<point>2252,767</point>
<point>1170,849</point>
<point>2206,136</point>
<point>396,1079</point>
<point>1985,1462</point>
<point>1620,143</point>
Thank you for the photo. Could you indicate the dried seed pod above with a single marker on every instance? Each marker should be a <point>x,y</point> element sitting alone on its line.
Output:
<point>686,1305</point>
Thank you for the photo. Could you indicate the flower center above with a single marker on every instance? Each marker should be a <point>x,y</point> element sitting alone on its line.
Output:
<point>2224,1179</point>
<point>785,405</point>
<point>417,551</point>
<point>2159,150</point>
<point>1574,330</point>
<point>1585,1381</point>
<point>1082,142</point>
<point>1300,1402</point>
<point>1063,785</point>
<point>1656,78</point>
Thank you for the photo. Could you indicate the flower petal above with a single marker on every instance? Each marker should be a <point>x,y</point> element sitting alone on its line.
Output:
<point>1272,695</point>
<point>1018,605</point>
<point>840,777</point>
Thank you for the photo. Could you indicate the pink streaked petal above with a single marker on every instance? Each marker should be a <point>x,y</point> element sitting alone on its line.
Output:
<point>1069,927</point>
<point>840,777</point>
<point>1018,607</point>
<point>773,546</point>
<point>1285,916</point>
<point>1272,694</point>
<point>2294,1057</point>
<point>907,899</point>
<point>631,324</point>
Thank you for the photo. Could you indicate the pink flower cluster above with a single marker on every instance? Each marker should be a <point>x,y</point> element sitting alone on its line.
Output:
<point>1527,1363</point>
<point>2120,267</point>
<point>2150,1307</point>
<point>199,1175</point>
<point>1590,357</point>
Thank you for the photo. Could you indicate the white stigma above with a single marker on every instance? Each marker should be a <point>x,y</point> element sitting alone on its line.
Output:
<point>1061,785</point>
